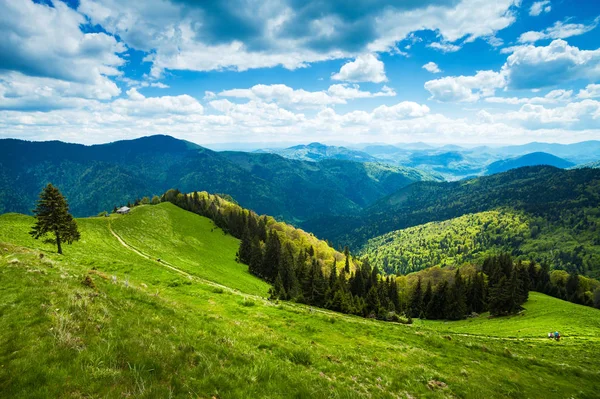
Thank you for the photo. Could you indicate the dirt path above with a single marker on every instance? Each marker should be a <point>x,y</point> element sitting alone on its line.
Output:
<point>224,287</point>
<point>177,270</point>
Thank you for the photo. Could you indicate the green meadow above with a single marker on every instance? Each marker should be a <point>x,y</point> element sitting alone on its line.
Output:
<point>108,320</point>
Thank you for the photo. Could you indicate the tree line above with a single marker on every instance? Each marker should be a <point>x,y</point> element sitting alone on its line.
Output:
<point>337,281</point>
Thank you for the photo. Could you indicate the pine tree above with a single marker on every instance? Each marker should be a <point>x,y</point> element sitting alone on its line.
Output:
<point>427,297</point>
<point>52,214</point>
<point>287,273</point>
<point>456,307</point>
<point>416,300</point>
<point>347,264</point>
<point>245,251</point>
<point>436,308</point>
<point>272,257</point>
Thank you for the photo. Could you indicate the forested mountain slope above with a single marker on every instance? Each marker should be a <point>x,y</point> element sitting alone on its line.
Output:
<point>563,197</point>
<point>533,159</point>
<point>96,178</point>
<point>472,237</point>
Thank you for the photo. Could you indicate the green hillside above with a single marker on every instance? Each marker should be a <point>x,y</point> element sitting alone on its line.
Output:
<point>565,203</point>
<point>151,331</point>
<point>163,232</point>
<point>542,313</point>
<point>472,237</point>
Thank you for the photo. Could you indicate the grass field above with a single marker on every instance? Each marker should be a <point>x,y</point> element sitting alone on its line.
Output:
<point>155,333</point>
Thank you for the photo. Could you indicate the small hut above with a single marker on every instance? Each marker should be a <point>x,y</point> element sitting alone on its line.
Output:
<point>123,210</point>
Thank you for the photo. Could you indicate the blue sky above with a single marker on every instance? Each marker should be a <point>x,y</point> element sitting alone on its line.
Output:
<point>291,71</point>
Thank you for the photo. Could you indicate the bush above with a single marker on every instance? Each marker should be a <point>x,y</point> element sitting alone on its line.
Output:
<point>248,302</point>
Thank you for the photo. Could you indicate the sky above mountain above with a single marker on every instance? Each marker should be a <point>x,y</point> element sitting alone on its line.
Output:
<point>440,71</point>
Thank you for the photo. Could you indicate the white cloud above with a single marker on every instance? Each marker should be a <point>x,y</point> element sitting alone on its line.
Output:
<point>138,104</point>
<point>590,91</point>
<point>468,19</point>
<point>224,120</point>
<point>432,67</point>
<point>530,67</point>
<point>350,92</point>
<point>465,88</point>
<point>18,91</point>
<point>557,31</point>
<point>555,96</point>
<point>444,47</point>
<point>540,7</point>
<point>403,110</point>
<point>575,115</point>
<point>209,95</point>
<point>300,98</point>
<point>206,36</point>
<point>365,68</point>
<point>43,41</point>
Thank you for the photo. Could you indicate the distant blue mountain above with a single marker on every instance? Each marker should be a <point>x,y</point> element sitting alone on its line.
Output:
<point>532,159</point>
<point>316,152</point>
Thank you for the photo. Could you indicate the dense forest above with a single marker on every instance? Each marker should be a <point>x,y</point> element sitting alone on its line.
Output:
<point>94,178</point>
<point>556,202</point>
<point>471,238</point>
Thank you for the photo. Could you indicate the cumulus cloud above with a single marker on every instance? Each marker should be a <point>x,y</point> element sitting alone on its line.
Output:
<point>224,120</point>
<point>554,96</point>
<point>444,47</point>
<point>465,88</point>
<point>365,68</point>
<point>43,41</point>
<point>201,36</point>
<point>47,62</point>
<point>138,104</point>
<point>557,31</point>
<point>300,98</point>
<point>540,7</point>
<point>22,92</point>
<point>432,67</point>
<point>575,115</point>
<point>590,91</point>
<point>531,67</point>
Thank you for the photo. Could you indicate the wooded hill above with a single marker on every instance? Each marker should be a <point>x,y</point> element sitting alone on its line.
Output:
<point>95,178</point>
<point>548,213</point>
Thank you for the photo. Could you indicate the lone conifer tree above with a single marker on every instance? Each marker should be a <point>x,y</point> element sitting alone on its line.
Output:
<point>52,214</point>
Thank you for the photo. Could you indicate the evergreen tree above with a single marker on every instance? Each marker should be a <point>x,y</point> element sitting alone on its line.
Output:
<point>272,257</point>
<point>245,251</point>
<point>436,307</point>
<point>416,300</point>
<point>427,297</point>
<point>53,217</point>
<point>572,288</point>
<point>347,264</point>
<point>287,273</point>
<point>456,307</point>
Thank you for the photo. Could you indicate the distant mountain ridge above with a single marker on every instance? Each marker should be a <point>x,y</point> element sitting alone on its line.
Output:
<point>95,178</point>
<point>532,159</point>
<point>317,152</point>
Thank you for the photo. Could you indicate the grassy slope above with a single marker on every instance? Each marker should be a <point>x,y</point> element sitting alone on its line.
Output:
<point>542,315</point>
<point>190,241</point>
<point>63,339</point>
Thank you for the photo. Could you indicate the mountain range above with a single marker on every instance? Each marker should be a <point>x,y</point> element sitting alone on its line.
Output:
<point>99,177</point>
<point>452,162</point>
